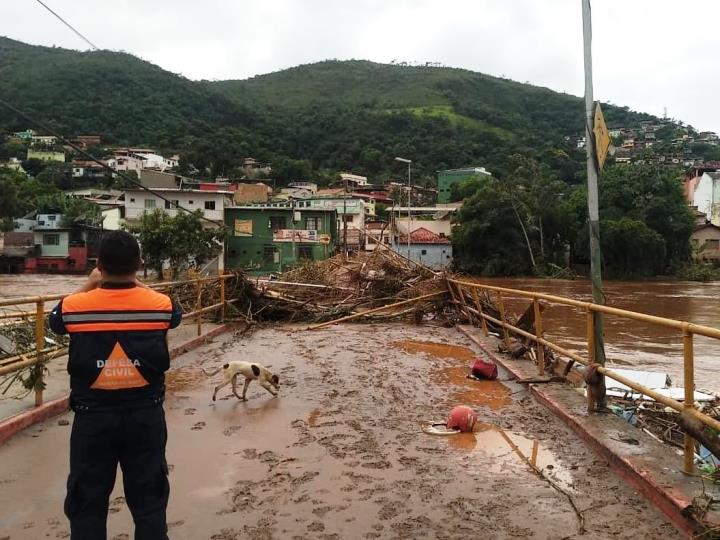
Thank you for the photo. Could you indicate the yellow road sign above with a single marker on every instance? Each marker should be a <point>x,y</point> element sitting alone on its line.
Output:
<point>602,137</point>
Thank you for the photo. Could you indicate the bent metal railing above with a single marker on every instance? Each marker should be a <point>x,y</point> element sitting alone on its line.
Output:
<point>465,296</point>
<point>42,353</point>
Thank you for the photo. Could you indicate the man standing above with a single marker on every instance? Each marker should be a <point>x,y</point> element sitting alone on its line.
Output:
<point>117,363</point>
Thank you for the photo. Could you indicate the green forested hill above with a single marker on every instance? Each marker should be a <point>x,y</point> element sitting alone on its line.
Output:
<point>314,119</point>
<point>125,99</point>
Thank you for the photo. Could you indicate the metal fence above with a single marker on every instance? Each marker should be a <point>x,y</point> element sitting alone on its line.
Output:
<point>466,296</point>
<point>44,304</point>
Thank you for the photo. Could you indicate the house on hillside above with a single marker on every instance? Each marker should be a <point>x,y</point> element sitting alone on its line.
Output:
<point>426,247</point>
<point>450,177</point>
<point>274,237</point>
<point>352,212</point>
<point>251,194</point>
<point>46,155</point>
<point>706,196</point>
<point>211,203</point>
<point>137,159</point>
<point>706,243</point>
<point>61,247</point>
<point>87,169</point>
<point>437,219</point>
<point>349,180</point>
<point>377,232</point>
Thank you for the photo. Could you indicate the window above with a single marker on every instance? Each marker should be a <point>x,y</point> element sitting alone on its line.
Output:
<point>712,244</point>
<point>51,218</point>
<point>277,222</point>
<point>347,218</point>
<point>149,203</point>
<point>312,223</point>
<point>305,253</point>
<point>51,239</point>
<point>132,199</point>
<point>423,252</point>
<point>171,204</point>
<point>268,253</point>
<point>209,205</point>
<point>190,202</point>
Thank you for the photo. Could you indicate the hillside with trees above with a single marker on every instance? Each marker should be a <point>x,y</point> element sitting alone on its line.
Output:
<point>312,121</point>
<point>317,118</point>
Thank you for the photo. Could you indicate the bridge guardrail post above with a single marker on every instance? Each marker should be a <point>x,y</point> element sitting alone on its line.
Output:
<point>222,298</point>
<point>501,308</point>
<point>39,346</point>
<point>539,335</point>
<point>198,307</point>
<point>689,401</point>
<point>478,305</point>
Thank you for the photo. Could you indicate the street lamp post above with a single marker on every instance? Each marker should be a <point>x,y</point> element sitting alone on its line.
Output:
<point>409,162</point>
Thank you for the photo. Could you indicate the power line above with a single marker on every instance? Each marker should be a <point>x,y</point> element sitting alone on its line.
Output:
<point>70,26</point>
<point>90,157</point>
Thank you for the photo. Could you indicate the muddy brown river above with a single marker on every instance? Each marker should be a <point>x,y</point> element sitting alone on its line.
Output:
<point>629,344</point>
<point>633,344</point>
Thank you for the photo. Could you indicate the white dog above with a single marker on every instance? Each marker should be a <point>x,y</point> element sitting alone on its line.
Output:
<point>251,372</point>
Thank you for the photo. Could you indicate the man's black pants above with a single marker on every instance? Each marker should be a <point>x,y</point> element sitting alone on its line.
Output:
<point>100,440</point>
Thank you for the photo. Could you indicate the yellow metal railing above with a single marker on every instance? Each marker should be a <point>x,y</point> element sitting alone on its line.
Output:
<point>466,298</point>
<point>42,353</point>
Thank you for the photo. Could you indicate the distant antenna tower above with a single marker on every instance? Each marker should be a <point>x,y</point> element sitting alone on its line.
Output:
<point>664,113</point>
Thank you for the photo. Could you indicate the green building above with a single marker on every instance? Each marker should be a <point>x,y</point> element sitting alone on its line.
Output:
<point>277,236</point>
<point>447,178</point>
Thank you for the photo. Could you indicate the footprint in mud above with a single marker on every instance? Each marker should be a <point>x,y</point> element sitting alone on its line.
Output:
<point>176,523</point>
<point>316,526</point>
<point>228,431</point>
<point>198,425</point>
<point>190,411</point>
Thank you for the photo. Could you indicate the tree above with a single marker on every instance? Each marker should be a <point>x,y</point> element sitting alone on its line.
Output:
<point>647,201</point>
<point>488,239</point>
<point>33,166</point>
<point>57,174</point>
<point>182,240</point>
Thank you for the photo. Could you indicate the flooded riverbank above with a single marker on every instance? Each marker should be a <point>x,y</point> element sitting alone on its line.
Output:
<point>632,344</point>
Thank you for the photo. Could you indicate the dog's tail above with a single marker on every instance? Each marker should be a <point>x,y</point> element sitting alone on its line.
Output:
<point>211,373</point>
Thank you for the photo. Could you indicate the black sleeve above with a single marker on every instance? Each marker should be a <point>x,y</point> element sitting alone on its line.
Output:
<point>57,324</point>
<point>176,317</point>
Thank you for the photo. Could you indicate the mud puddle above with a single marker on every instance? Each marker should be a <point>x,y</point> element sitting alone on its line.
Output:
<point>492,394</point>
<point>436,350</point>
<point>500,451</point>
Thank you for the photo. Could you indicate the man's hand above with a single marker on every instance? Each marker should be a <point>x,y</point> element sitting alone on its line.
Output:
<point>93,282</point>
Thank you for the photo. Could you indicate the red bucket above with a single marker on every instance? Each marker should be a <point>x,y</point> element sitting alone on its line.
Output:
<point>484,370</point>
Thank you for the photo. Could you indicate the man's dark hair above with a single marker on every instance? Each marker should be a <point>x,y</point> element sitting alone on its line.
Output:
<point>119,254</point>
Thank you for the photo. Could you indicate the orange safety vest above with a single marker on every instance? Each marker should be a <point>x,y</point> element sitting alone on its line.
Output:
<point>118,348</point>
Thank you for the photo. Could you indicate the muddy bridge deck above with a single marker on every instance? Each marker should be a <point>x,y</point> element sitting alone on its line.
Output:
<point>340,454</point>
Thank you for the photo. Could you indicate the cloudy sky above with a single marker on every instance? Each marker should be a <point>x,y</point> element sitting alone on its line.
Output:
<point>648,54</point>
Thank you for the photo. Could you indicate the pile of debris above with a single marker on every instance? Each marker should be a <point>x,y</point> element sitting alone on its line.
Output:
<point>662,423</point>
<point>354,286</point>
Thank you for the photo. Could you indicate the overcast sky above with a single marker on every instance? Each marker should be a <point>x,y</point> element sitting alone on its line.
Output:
<point>648,54</point>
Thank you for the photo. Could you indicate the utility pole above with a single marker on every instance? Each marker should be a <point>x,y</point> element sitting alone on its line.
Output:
<point>409,162</point>
<point>344,219</point>
<point>598,354</point>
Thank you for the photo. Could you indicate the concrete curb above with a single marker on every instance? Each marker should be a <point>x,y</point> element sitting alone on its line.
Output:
<point>671,503</point>
<point>12,425</point>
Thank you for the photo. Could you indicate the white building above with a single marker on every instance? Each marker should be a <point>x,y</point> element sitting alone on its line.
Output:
<point>137,159</point>
<point>707,196</point>
<point>212,203</point>
<point>353,180</point>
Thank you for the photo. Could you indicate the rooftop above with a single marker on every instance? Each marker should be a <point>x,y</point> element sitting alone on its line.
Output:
<point>424,236</point>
